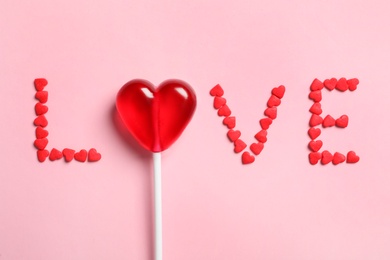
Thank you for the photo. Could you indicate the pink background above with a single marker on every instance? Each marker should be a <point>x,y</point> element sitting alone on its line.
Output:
<point>279,207</point>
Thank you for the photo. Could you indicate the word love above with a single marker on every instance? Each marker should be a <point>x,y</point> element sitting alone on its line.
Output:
<point>270,112</point>
<point>41,133</point>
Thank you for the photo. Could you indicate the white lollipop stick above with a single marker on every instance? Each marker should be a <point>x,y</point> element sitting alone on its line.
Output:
<point>157,207</point>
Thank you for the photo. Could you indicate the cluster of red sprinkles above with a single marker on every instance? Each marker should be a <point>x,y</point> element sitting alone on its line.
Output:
<point>316,120</point>
<point>230,122</point>
<point>41,133</point>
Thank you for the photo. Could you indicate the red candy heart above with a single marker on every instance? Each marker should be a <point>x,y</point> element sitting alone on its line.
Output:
<point>256,148</point>
<point>314,157</point>
<point>316,108</point>
<point>239,145</point>
<point>338,158</point>
<point>271,112</point>
<point>316,85</point>
<point>327,157</point>
<point>217,91</point>
<point>41,121</point>
<point>41,133</point>
<point>316,95</point>
<point>342,121</point>
<point>314,133</point>
<point>265,123</point>
<point>81,156</point>
<point>229,121</point>
<point>330,84</point>
<point>224,111</point>
<point>352,157</point>
<point>273,101</point>
<point>219,102</point>
<point>352,84</point>
<point>93,155</point>
<point>40,109</point>
<point>40,84</point>
<point>42,96</point>
<point>342,84</point>
<point>261,136</point>
<point>315,145</point>
<point>279,91</point>
<point>68,154</point>
<point>42,155</point>
<point>40,144</point>
<point>55,154</point>
<point>247,158</point>
<point>233,135</point>
<point>328,121</point>
<point>157,117</point>
<point>315,120</point>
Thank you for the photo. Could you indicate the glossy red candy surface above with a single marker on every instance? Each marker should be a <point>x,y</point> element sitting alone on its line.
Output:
<point>156,117</point>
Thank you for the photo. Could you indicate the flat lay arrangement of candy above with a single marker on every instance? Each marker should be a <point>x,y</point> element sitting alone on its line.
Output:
<point>41,133</point>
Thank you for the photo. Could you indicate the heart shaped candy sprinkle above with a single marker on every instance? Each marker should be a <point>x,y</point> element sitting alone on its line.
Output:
<point>342,121</point>
<point>316,85</point>
<point>316,95</point>
<point>68,154</point>
<point>239,146</point>
<point>256,148</point>
<point>315,120</point>
<point>219,102</point>
<point>261,136</point>
<point>316,108</point>
<point>314,133</point>
<point>40,144</point>
<point>352,157</point>
<point>93,155</point>
<point>279,91</point>
<point>40,84</point>
<point>342,85</point>
<point>352,84</point>
<point>330,84</point>
<point>224,111</point>
<point>42,155</point>
<point>55,154</point>
<point>338,158</point>
<point>315,145</point>
<point>328,121</point>
<point>81,156</point>
<point>271,112</point>
<point>247,158</point>
<point>40,109</point>
<point>265,123</point>
<point>314,157</point>
<point>327,157</point>
<point>233,135</point>
<point>273,101</point>
<point>41,133</point>
<point>40,121</point>
<point>42,96</point>
<point>229,121</point>
<point>217,91</point>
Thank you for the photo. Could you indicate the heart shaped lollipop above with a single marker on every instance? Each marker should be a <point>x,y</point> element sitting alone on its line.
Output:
<point>156,117</point>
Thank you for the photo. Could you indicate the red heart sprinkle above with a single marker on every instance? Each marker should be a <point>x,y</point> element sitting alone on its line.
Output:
<point>314,133</point>
<point>40,121</point>
<point>68,154</point>
<point>219,102</point>
<point>352,84</point>
<point>328,121</point>
<point>330,84</point>
<point>315,145</point>
<point>40,144</point>
<point>316,108</point>
<point>327,157</point>
<point>316,95</point>
<point>338,158</point>
<point>41,133</point>
<point>42,96</point>
<point>279,91</point>
<point>261,136</point>
<point>316,85</point>
<point>233,135</point>
<point>314,157</point>
<point>342,121</point>
<point>247,158</point>
<point>93,155</point>
<point>342,85</point>
<point>315,120</point>
<point>40,109</point>
<point>40,84</point>
<point>229,121</point>
<point>42,155</point>
<point>256,148</point>
<point>224,111</point>
<point>81,156</point>
<point>271,112</point>
<point>217,91</point>
<point>273,101</point>
<point>55,154</point>
<point>239,145</point>
<point>265,123</point>
<point>352,157</point>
